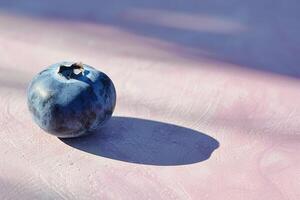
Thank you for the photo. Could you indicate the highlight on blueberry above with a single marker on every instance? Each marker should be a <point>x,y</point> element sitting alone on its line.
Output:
<point>71,99</point>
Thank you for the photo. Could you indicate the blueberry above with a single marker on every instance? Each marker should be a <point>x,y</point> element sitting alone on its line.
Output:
<point>71,99</point>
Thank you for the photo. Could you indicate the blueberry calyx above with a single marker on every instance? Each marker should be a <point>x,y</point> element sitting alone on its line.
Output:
<point>70,99</point>
<point>71,71</point>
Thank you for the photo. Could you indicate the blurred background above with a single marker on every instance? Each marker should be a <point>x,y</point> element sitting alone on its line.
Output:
<point>227,69</point>
<point>259,35</point>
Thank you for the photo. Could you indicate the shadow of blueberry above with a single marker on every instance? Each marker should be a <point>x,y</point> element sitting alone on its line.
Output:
<point>147,142</point>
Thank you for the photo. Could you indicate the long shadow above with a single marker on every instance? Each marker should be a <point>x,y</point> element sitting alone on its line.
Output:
<point>147,142</point>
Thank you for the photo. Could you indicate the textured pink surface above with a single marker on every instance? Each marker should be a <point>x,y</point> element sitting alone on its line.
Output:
<point>227,70</point>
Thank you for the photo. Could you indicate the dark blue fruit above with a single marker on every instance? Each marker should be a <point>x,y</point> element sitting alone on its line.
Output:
<point>71,99</point>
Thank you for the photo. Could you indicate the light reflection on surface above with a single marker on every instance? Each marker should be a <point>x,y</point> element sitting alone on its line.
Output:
<point>186,21</point>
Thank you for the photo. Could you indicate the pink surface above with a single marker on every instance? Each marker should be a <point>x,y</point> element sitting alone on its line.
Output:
<point>209,74</point>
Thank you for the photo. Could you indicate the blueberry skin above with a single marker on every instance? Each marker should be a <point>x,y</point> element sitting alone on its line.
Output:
<point>67,104</point>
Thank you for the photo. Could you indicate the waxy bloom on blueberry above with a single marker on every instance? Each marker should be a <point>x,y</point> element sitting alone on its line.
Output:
<point>71,99</point>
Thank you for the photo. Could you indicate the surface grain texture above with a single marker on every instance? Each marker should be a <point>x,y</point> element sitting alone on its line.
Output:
<point>208,100</point>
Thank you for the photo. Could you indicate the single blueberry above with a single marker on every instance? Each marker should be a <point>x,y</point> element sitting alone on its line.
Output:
<point>71,99</point>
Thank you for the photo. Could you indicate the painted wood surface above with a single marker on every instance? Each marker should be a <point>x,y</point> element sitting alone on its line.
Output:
<point>208,100</point>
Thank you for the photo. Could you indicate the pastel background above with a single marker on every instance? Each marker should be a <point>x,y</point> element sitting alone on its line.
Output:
<point>208,99</point>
